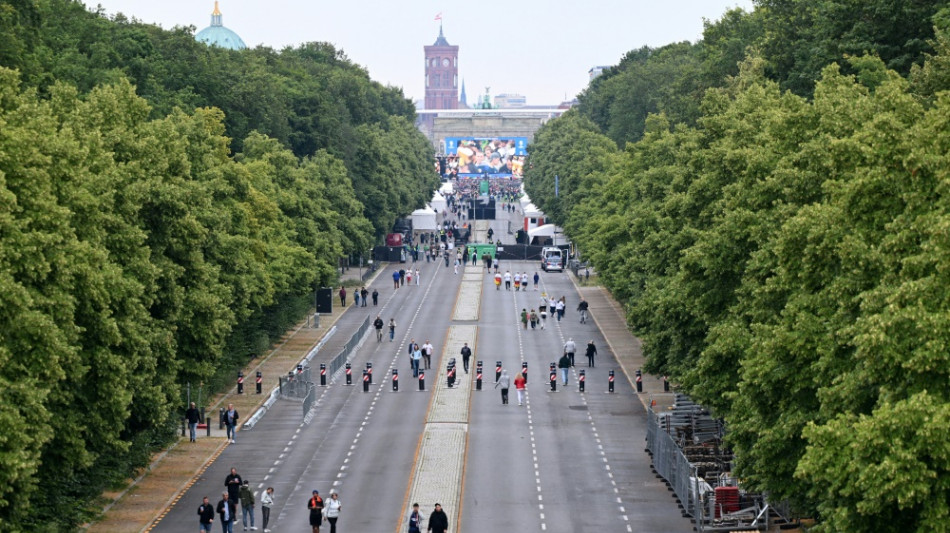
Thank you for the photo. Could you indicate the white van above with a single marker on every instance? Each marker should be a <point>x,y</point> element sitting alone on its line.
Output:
<point>552,259</point>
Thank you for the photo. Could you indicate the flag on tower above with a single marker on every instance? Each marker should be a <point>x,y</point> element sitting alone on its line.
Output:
<point>439,16</point>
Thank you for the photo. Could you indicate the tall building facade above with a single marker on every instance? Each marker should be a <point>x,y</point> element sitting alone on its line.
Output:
<point>442,74</point>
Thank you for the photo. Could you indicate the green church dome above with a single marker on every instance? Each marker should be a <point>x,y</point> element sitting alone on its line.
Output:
<point>217,35</point>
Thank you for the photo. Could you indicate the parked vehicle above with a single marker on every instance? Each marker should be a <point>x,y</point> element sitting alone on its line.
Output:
<point>552,259</point>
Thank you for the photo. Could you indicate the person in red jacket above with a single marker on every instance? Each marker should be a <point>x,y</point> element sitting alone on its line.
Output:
<point>315,504</point>
<point>520,384</point>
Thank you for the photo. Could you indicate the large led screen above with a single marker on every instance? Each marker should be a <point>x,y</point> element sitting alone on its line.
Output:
<point>468,157</point>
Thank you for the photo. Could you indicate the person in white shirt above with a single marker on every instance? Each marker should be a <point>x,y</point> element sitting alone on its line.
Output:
<point>507,281</point>
<point>331,508</point>
<point>267,500</point>
<point>427,350</point>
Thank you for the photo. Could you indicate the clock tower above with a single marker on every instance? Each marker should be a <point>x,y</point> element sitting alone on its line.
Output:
<point>442,74</point>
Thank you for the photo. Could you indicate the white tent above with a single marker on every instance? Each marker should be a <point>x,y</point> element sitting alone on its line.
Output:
<point>525,201</point>
<point>547,230</point>
<point>532,210</point>
<point>424,220</point>
<point>438,202</point>
<point>542,234</point>
<point>447,188</point>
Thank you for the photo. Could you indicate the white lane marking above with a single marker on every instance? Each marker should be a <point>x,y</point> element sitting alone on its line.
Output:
<point>593,426</point>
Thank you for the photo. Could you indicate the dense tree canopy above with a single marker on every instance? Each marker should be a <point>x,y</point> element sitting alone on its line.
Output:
<point>782,252</point>
<point>165,209</point>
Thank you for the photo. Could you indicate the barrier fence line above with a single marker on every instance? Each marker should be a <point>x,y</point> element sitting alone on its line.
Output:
<point>298,384</point>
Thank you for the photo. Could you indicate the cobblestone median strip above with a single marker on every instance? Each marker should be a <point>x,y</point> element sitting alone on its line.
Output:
<point>469,301</point>
<point>440,464</point>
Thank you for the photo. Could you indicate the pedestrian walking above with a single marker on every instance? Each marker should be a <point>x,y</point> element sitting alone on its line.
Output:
<point>409,276</point>
<point>416,360</point>
<point>505,383</point>
<point>378,324</point>
<point>438,521</point>
<point>524,281</point>
<point>375,297</point>
<point>226,510</point>
<point>332,509</point>
<point>507,281</point>
<point>466,355</point>
<point>395,279</point>
<point>494,264</point>
<point>591,352</point>
<point>517,279</point>
<point>427,350</point>
<point>267,501</point>
<point>533,318</point>
<point>342,294</point>
<point>363,294</point>
<point>520,384</point>
<point>543,317</point>
<point>497,282</point>
<point>356,298</point>
<point>582,309</point>
<point>233,483</point>
<point>418,277</point>
<point>537,278</point>
<point>315,504</point>
<point>193,416</point>
<point>402,277</point>
<point>231,418</point>
<point>564,363</point>
<point>247,505</point>
<point>524,318</point>
<point>392,329</point>
<point>415,519</point>
<point>559,306</point>
<point>569,349</point>
<point>205,516</point>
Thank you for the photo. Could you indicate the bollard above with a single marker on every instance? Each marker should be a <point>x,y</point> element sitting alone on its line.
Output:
<point>323,374</point>
<point>450,373</point>
<point>478,376</point>
<point>422,380</point>
<point>395,379</point>
<point>259,381</point>
<point>524,371</point>
<point>666,384</point>
<point>207,423</point>
<point>553,377</point>
<point>183,422</point>
<point>639,381</point>
<point>497,371</point>
<point>581,375</point>
<point>240,383</point>
<point>349,374</point>
<point>365,381</point>
<point>369,370</point>
<point>221,418</point>
<point>610,381</point>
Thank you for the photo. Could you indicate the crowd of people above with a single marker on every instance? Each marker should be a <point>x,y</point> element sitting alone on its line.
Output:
<point>238,493</point>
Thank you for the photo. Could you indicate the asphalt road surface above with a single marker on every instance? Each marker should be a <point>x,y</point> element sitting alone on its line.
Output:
<point>565,461</point>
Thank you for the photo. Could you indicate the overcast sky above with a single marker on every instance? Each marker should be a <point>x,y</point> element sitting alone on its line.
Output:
<point>542,49</point>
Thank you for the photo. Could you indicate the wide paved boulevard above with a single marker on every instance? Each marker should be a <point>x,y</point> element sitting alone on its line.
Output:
<point>565,461</point>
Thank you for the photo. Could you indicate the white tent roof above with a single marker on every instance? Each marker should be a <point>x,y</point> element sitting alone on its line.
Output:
<point>546,230</point>
<point>424,211</point>
<point>532,210</point>
<point>447,187</point>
